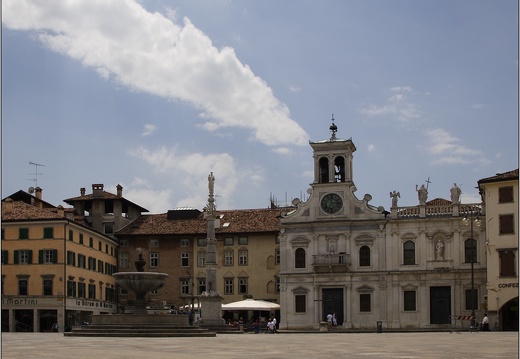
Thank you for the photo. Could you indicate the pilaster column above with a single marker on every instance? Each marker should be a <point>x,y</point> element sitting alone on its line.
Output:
<point>347,320</point>
<point>317,306</point>
<point>394,315</point>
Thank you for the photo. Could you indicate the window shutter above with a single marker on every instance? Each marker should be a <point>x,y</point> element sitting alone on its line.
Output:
<point>54,256</point>
<point>506,224</point>
<point>507,263</point>
<point>16,256</point>
<point>40,256</point>
<point>5,255</point>
<point>29,257</point>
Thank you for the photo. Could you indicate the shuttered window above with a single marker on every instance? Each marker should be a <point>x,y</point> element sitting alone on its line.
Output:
<point>506,223</point>
<point>505,195</point>
<point>507,263</point>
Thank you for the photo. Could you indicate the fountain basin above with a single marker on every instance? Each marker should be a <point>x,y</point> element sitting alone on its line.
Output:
<point>140,282</point>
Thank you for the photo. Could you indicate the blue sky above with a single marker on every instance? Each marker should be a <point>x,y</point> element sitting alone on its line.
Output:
<point>154,95</point>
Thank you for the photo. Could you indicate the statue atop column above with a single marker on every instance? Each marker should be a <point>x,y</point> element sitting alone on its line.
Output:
<point>394,195</point>
<point>210,300</point>
<point>211,257</point>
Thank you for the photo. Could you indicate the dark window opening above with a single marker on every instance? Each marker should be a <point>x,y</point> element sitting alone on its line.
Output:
<point>324,170</point>
<point>299,258</point>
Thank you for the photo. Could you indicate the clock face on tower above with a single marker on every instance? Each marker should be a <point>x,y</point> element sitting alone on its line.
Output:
<point>331,203</point>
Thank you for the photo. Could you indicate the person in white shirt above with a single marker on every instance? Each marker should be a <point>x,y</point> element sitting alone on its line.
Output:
<point>274,326</point>
<point>485,323</point>
<point>329,321</point>
<point>270,326</point>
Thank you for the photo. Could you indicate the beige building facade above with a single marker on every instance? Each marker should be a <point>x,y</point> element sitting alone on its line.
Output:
<point>247,253</point>
<point>500,195</point>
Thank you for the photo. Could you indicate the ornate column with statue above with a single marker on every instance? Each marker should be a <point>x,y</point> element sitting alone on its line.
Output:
<point>211,300</point>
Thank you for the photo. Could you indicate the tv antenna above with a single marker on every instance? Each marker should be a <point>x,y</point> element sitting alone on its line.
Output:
<point>35,174</point>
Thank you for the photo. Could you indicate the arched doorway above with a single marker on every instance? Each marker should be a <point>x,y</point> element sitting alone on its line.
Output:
<point>509,315</point>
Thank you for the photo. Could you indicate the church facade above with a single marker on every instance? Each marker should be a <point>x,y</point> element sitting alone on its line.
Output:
<point>407,268</point>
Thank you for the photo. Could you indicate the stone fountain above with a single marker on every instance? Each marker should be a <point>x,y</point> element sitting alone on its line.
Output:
<point>140,282</point>
<point>140,323</point>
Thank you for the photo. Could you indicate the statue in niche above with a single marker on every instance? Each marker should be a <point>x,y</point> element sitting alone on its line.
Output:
<point>439,250</point>
<point>332,247</point>
<point>395,195</point>
<point>455,194</point>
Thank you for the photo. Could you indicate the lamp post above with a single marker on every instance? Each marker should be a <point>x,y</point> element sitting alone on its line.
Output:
<point>469,221</point>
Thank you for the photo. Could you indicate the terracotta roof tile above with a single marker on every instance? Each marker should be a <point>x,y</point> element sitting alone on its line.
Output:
<point>231,221</point>
<point>506,176</point>
<point>105,195</point>
<point>438,202</point>
<point>22,211</point>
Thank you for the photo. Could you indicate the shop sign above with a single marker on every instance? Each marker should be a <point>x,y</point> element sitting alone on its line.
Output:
<point>19,301</point>
<point>508,285</point>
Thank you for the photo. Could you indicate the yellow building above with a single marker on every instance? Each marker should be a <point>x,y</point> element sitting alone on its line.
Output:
<point>54,268</point>
<point>500,195</point>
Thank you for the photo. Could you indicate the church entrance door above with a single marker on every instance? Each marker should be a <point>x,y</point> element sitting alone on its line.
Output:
<point>440,305</point>
<point>333,303</point>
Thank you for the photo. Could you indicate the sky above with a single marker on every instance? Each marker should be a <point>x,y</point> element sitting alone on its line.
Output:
<point>156,94</point>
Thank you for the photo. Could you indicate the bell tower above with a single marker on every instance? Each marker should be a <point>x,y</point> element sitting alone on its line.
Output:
<point>333,159</point>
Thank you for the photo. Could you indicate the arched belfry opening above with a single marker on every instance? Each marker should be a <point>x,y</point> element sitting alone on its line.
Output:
<point>339,169</point>
<point>324,170</point>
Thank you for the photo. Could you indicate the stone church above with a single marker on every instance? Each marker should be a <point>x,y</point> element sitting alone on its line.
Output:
<point>410,267</point>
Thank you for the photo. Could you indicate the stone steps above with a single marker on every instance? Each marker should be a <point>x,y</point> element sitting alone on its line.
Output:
<point>121,330</point>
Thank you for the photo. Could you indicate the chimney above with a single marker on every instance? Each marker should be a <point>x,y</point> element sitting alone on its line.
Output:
<point>8,206</point>
<point>82,191</point>
<point>38,191</point>
<point>60,211</point>
<point>119,190</point>
<point>97,190</point>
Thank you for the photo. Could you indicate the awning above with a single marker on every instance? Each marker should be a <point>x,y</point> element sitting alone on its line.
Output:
<point>251,304</point>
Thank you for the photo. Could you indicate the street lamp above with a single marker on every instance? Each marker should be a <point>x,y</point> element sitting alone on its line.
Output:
<point>469,221</point>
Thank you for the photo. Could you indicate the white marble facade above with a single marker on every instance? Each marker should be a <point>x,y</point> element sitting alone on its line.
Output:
<point>341,254</point>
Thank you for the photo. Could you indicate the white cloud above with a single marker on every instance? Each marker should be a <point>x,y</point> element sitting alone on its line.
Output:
<point>189,173</point>
<point>371,148</point>
<point>148,129</point>
<point>149,52</point>
<point>283,151</point>
<point>397,105</point>
<point>294,88</point>
<point>141,192</point>
<point>447,149</point>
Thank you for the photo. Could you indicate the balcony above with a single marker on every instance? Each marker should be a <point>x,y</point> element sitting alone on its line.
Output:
<point>331,263</point>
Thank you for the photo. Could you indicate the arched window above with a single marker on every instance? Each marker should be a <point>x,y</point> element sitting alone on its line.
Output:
<point>364,256</point>
<point>299,258</point>
<point>324,170</point>
<point>470,251</point>
<point>409,252</point>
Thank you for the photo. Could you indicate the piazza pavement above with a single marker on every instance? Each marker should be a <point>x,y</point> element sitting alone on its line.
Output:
<point>284,345</point>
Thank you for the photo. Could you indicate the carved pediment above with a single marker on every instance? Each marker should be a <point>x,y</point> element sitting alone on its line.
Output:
<point>365,289</point>
<point>300,290</point>
<point>300,242</point>
<point>364,239</point>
